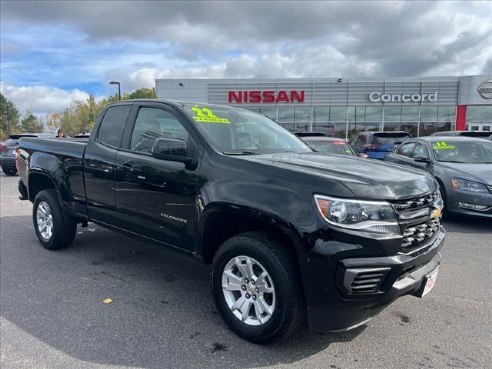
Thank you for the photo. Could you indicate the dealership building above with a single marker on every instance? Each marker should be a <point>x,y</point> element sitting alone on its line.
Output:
<point>343,107</point>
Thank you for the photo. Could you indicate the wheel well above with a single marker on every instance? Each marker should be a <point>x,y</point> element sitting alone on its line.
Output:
<point>222,226</point>
<point>442,188</point>
<point>37,183</point>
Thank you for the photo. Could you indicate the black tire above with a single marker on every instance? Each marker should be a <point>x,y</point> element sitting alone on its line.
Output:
<point>287,314</point>
<point>9,171</point>
<point>63,227</point>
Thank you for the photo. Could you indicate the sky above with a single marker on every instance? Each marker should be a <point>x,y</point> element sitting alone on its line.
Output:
<point>56,52</point>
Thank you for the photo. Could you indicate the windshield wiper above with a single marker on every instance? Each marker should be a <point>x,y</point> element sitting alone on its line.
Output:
<point>239,153</point>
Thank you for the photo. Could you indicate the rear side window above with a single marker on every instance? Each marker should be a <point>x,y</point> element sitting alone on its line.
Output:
<point>406,149</point>
<point>112,125</point>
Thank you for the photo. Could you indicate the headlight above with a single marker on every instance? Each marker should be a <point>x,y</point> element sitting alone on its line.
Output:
<point>367,216</point>
<point>463,184</point>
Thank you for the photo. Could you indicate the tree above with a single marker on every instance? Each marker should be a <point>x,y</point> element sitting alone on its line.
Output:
<point>9,117</point>
<point>141,93</point>
<point>30,123</point>
<point>82,115</point>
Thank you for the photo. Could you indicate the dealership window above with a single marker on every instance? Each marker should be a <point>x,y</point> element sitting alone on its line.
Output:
<point>253,108</point>
<point>428,119</point>
<point>351,113</point>
<point>360,113</point>
<point>269,112</point>
<point>321,114</point>
<point>374,114</point>
<point>290,126</point>
<point>338,114</point>
<point>392,118</point>
<point>286,115</point>
<point>479,114</point>
<point>303,118</point>
<point>446,113</point>
<point>392,126</point>
<point>410,114</point>
<point>392,113</point>
<point>428,114</point>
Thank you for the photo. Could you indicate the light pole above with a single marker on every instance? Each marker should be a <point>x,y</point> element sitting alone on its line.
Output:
<point>119,90</point>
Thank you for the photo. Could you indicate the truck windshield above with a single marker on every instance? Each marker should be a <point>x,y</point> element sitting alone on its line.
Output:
<point>453,151</point>
<point>237,131</point>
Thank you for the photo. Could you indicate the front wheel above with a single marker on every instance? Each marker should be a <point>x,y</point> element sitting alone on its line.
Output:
<point>256,288</point>
<point>54,229</point>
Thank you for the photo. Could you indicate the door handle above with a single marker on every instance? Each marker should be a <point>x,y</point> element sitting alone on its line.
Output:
<point>128,165</point>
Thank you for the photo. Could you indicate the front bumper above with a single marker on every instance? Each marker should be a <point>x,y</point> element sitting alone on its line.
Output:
<point>338,307</point>
<point>466,202</point>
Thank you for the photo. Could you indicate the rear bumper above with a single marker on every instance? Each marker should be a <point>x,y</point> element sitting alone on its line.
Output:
<point>401,275</point>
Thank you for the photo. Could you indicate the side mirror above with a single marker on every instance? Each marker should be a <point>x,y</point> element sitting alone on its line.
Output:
<point>421,159</point>
<point>171,149</point>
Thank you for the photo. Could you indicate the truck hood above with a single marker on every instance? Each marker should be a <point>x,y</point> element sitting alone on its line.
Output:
<point>367,179</point>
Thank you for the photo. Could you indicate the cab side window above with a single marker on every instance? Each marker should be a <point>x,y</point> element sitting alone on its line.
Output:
<point>421,150</point>
<point>406,149</point>
<point>153,123</point>
<point>112,125</point>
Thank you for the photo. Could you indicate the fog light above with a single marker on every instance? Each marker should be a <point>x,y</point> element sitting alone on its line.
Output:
<point>467,205</point>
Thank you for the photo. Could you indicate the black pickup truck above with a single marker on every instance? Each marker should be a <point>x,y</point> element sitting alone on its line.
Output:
<point>289,232</point>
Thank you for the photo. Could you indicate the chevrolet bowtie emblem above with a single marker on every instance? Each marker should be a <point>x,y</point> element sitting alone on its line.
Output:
<point>436,213</point>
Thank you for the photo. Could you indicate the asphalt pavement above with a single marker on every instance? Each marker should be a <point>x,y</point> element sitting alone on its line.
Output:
<point>162,314</point>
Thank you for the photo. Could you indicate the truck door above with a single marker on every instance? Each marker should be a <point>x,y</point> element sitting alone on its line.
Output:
<point>99,159</point>
<point>156,198</point>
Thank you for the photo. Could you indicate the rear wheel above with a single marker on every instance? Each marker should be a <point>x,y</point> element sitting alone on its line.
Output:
<point>9,171</point>
<point>256,288</point>
<point>54,229</point>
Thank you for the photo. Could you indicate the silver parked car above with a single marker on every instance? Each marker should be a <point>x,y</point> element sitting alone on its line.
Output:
<point>461,165</point>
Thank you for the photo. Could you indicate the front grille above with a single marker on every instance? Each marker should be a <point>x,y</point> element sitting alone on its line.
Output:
<point>490,188</point>
<point>416,221</point>
<point>417,203</point>
<point>364,281</point>
<point>416,234</point>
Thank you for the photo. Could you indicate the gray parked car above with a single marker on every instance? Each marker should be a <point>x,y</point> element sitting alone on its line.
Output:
<point>481,134</point>
<point>7,151</point>
<point>461,165</point>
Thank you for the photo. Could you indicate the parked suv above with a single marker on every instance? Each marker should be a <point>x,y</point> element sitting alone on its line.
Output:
<point>325,144</point>
<point>376,145</point>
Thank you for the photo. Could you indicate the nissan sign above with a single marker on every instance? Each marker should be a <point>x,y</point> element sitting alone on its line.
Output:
<point>485,89</point>
<point>406,98</point>
<point>266,97</point>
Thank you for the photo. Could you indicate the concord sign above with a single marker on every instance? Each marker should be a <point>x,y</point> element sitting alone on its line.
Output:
<point>406,98</point>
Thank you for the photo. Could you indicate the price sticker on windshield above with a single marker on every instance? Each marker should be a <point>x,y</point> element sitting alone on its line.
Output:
<point>443,145</point>
<point>206,115</point>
